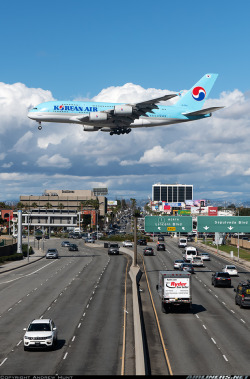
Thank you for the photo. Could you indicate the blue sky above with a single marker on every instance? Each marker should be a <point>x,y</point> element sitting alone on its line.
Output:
<point>71,50</point>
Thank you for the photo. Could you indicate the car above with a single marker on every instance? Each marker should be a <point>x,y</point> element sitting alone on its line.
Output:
<point>190,238</point>
<point>160,238</point>
<point>40,333</point>
<point>205,256</point>
<point>89,240</point>
<point>231,269</point>
<point>182,242</point>
<point>113,249</point>
<point>187,267</point>
<point>142,242</point>
<point>178,263</point>
<point>148,251</point>
<point>242,296</point>
<point>127,244</point>
<point>52,254</point>
<point>161,247</point>
<point>197,261</point>
<point>65,243</point>
<point>221,279</point>
<point>73,247</point>
<point>190,252</point>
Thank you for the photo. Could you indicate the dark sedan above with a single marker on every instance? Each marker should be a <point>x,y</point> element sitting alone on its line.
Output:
<point>142,242</point>
<point>187,267</point>
<point>148,251</point>
<point>73,247</point>
<point>161,247</point>
<point>221,279</point>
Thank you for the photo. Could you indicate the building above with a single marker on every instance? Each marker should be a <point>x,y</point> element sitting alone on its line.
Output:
<point>172,193</point>
<point>67,200</point>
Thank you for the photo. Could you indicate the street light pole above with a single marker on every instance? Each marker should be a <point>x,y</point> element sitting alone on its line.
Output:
<point>28,253</point>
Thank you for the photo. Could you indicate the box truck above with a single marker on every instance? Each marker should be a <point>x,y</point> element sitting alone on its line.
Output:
<point>174,289</point>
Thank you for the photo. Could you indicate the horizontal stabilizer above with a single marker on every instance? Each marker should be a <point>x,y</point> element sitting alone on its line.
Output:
<point>202,112</point>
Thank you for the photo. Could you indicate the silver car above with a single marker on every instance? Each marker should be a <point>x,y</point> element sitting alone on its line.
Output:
<point>52,254</point>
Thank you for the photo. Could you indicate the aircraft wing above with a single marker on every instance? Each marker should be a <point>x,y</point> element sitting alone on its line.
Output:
<point>202,112</point>
<point>147,106</point>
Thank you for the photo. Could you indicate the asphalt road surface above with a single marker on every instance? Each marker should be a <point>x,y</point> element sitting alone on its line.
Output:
<point>83,292</point>
<point>211,339</point>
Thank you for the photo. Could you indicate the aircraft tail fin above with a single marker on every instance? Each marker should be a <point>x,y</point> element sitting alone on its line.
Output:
<point>195,98</point>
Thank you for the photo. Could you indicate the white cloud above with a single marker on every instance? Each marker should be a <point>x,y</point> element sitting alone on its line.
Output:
<point>55,161</point>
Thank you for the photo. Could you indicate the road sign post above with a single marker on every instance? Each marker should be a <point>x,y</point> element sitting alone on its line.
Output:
<point>163,224</point>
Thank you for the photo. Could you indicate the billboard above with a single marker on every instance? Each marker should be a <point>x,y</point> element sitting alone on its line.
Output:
<point>212,211</point>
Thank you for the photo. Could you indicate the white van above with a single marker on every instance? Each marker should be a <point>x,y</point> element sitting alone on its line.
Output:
<point>182,242</point>
<point>190,252</point>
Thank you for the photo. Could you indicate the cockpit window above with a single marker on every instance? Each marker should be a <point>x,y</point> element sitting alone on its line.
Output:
<point>34,108</point>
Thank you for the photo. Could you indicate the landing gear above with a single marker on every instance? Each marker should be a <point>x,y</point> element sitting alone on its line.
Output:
<point>119,131</point>
<point>39,125</point>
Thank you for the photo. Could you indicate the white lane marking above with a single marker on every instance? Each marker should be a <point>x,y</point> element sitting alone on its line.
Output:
<point>9,309</point>
<point>204,326</point>
<point>24,276</point>
<point>232,311</point>
<point>73,339</point>
<point>213,340</point>
<point>19,343</point>
<point>79,325</point>
<point>243,321</point>
<point>225,358</point>
<point>65,356</point>
<point>5,359</point>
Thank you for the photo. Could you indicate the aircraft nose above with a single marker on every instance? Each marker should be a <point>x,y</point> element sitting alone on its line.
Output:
<point>31,115</point>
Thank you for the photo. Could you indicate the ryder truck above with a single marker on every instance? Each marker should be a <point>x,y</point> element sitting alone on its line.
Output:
<point>174,289</point>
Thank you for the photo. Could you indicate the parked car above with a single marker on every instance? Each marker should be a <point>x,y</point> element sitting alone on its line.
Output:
<point>242,296</point>
<point>205,256</point>
<point>187,267</point>
<point>221,279</point>
<point>148,251</point>
<point>142,242</point>
<point>65,243</point>
<point>161,247</point>
<point>127,244</point>
<point>52,254</point>
<point>178,263</point>
<point>73,247</point>
<point>40,333</point>
<point>231,269</point>
<point>89,240</point>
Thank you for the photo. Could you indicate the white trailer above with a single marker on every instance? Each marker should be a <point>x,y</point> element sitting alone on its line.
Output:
<point>174,289</point>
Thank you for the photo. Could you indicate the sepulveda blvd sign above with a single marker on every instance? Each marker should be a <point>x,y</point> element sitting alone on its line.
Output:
<point>226,224</point>
<point>162,224</point>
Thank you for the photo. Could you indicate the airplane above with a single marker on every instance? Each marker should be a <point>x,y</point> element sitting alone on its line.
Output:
<point>117,118</point>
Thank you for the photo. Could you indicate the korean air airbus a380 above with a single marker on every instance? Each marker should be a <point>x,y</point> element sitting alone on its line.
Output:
<point>117,118</point>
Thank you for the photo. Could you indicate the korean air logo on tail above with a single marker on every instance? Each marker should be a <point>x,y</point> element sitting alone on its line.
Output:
<point>198,93</point>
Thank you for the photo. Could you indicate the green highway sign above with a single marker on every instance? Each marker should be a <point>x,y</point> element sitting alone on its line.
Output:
<point>162,224</point>
<point>223,224</point>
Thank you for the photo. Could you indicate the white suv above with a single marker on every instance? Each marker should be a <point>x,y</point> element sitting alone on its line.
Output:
<point>40,333</point>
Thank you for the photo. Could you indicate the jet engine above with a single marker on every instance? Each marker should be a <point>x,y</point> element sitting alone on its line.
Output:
<point>123,109</point>
<point>90,128</point>
<point>98,116</point>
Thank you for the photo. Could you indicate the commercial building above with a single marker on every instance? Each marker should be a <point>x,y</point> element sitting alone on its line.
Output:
<point>67,200</point>
<point>172,193</point>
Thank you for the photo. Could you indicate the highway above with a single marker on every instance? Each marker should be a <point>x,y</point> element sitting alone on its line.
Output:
<point>212,339</point>
<point>83,292</point>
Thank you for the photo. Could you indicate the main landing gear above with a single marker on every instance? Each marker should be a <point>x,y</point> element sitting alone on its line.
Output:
<point>39,125</point>
<point>120,131</point>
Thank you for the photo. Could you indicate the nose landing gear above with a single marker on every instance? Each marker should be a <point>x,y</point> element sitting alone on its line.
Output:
<point>39,125</point>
